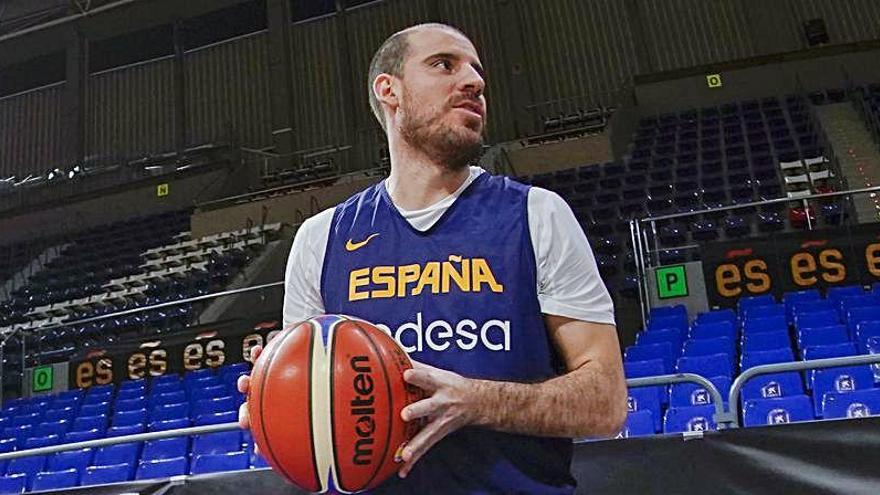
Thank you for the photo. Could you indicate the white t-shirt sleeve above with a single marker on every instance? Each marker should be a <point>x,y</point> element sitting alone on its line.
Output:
<point>302,277</point>
<point>569,283</point>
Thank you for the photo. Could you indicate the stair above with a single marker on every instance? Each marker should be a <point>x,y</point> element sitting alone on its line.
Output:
<point>857,154</point>
<point>36,265</point>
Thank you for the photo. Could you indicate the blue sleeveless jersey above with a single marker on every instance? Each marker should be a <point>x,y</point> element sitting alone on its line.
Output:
<point>460,296</point>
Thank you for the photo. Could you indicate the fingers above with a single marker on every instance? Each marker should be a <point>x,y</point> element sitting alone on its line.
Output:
<point>243,384</point>
<point>432,433</point>
<point>419,409</point>
<point>243,418</point>
<point>421,378</point>
<point>255,353</point>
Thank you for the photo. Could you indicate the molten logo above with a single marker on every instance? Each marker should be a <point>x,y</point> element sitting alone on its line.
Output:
<point>362,409</point>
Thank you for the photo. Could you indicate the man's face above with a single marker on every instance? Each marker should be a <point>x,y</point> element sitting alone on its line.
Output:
<point>442,107</point>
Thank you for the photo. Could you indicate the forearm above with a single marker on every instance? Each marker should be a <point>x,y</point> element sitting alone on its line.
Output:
<point>588,401</point>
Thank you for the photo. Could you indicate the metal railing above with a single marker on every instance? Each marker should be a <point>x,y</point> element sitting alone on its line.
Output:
<point>721,416</point>
<point>645,240</point>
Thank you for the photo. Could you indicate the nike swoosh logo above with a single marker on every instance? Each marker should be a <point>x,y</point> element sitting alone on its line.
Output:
<point>354,246</point>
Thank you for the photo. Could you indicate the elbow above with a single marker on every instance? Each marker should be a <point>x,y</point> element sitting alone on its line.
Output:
<point>612,421</point>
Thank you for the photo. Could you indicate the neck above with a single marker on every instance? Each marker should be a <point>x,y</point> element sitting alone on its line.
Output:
<point>417,180</point>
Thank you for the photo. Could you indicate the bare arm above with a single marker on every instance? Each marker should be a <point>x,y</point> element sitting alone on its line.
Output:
<point>589,400</point>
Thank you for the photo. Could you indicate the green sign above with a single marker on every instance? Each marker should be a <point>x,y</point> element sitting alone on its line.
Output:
<point>43,378</point>
<point>671,281</point>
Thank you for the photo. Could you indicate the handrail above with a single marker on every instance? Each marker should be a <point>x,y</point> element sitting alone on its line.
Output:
<point>138,437</point>
<point>733,397</point>
<point>176,302</point>
<point>760,203</point>
<point>721,417</point>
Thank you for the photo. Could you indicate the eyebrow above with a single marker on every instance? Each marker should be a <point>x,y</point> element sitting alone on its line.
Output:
<point>475,65</point>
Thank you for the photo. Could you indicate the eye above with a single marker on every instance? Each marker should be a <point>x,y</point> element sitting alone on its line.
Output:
<point>446,64</point>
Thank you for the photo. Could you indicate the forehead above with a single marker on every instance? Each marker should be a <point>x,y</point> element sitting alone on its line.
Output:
<point>430,41</point>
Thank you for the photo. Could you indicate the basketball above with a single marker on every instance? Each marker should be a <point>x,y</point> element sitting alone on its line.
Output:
<point>325,401</point>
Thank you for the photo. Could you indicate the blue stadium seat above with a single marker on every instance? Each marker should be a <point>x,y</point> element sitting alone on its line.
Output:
<point>216,418</point>
<point>638,369</point>
<point>170,424</point>
<point>128,385</point>
<point>131,394</point>
<point>716,316</point>
<point>165,448</point>
<point>829,351</point>
<point>167,388</point>
<point>55,480</point>
<point>861,314</point>
<point>749,302</point>
<point>836,294</point>
<point>692,394</point>
<point>44,441</point>
<point>20,433</point>
<point>90,423</point>
<point>7,445</point>
<point>235,369</point>
<point>638,424</point>
<point>771,310</point>
<point>26,419</point>
<point>646,398</point>
<point>672,321</point>
<point>814,319</point>
<point>118,431</point>
<point>161,468</point>
<point>129,417</point>
<point>674,336</point>
<point>710,365</point>
<point>170,411</point>
<point>209,392</point>
<point>773,385</point>
<point>198,374</point>
<point>663,350</point>
<point>71,459</point>
<point>13,483</point>
<point>217,443</point>
<point>862,301</point>
<point>110,473</point>
<point>857,404</point>
<point>866,330</point>
<point>62,414</point>
<point>169,378</point>
<point>117,454</point>
<point>776,323</point>
<point>765,341</point>
<point>61,403</point>
<point>811,337</point>
<point>52,428</point>
<point>98,409</point>
<point>703,347</point>
<point>82,436</point>
<point>758,358</point>
<point>714,330</point>
<point>843,379</point>
<point>213,405</point>
<point>257,461</point>
<point>694,418</point>
<point>175,397</point>
<point>130,404</point>
<point>27,465</point>
<point>760,412</point>
<point>230,461</point>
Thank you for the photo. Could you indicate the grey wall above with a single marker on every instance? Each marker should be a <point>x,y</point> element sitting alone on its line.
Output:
<point>542,57</point>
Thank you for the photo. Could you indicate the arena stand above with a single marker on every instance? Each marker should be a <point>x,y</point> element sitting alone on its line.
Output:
<point>690,161</point>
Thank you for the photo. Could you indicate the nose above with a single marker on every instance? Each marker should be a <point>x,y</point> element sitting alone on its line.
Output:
<point>472,82</point>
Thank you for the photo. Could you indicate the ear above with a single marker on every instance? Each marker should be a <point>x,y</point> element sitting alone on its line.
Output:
<point>385,90</point>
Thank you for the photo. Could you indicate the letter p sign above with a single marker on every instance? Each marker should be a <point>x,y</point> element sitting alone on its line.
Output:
<point>671,281</point>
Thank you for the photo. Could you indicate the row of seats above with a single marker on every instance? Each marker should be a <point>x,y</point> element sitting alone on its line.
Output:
<point>720,344</point>
<point>161,403</point>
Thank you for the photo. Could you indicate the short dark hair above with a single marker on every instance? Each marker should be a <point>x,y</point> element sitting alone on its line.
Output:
<point>389,59</point>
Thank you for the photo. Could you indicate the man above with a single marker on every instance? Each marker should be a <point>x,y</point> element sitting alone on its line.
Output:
<point>489,285</point>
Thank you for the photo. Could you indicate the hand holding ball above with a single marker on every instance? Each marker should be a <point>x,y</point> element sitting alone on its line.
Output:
<point>324,403</point>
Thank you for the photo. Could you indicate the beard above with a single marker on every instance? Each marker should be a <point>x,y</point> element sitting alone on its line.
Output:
<point>455,147</point>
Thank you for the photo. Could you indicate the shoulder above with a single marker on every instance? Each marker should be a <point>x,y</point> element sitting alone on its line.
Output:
<point>545,201</point>
<point>316,227</point>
